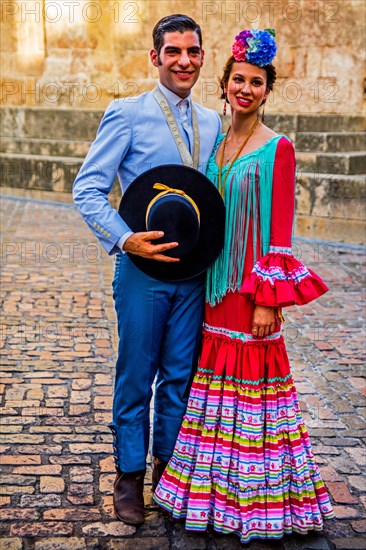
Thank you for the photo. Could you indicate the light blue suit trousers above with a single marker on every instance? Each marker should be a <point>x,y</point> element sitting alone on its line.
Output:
<point>159,326</point>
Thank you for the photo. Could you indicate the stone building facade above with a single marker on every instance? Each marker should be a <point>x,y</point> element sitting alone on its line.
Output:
<point>83,53</point>
<point>63,61</point>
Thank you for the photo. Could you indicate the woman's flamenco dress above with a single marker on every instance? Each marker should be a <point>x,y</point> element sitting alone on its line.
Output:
<point>243,460</point>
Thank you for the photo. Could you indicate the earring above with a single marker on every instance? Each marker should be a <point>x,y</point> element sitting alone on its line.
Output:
<point>225,105</point>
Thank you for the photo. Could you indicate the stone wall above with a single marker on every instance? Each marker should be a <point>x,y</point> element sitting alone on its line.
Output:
<point>63,61</point>
<point>330,180</point>
<point>83,53</point>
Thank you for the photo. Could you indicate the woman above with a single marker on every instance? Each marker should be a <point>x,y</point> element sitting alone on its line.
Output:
<point>243,460</point>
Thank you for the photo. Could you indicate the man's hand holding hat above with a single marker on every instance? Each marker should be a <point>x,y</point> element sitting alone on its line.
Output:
<point>140,244</point>
<point>180,205</point>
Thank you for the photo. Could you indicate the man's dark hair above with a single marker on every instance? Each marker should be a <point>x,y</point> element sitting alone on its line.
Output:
<point>174,23</point>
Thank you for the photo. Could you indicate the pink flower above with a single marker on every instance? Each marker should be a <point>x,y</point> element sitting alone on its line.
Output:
<point>238,51</point>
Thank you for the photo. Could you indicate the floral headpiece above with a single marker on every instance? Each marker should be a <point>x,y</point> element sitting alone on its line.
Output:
<point>255,46</point>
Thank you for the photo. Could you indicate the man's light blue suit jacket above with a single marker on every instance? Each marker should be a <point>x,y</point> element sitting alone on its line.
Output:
<point>133,136</point>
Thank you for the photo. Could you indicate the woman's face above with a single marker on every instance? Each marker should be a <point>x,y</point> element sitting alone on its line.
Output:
<point>246,88</point>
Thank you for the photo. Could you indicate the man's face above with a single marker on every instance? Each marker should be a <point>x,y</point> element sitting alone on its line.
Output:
<point>180,61</point>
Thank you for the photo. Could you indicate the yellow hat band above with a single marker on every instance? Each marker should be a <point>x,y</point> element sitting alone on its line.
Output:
<point>164,191</point>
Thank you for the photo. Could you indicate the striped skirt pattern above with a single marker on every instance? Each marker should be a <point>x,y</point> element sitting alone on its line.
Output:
<point>243,460</point>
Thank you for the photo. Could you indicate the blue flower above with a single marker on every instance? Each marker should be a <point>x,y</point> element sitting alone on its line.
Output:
<point>261,48</point>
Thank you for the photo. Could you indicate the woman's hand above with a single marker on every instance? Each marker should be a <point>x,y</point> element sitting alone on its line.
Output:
<point>263,322</point>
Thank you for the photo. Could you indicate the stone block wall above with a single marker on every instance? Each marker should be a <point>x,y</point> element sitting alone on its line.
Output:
<point>84,53</point>
<point>63,61</point>
<point>43,149</point>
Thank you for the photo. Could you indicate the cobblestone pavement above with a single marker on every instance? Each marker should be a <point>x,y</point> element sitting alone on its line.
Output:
<point>58,346</point>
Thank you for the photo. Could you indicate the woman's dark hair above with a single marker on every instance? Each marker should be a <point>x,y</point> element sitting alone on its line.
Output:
<point>174,23</point>
<point>270,70</point>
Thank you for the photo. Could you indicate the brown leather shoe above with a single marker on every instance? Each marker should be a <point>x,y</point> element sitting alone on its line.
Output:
<point>128,497</point>
<point>158,469</point>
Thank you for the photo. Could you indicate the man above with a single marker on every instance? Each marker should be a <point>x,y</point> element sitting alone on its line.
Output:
<point>159,322</point>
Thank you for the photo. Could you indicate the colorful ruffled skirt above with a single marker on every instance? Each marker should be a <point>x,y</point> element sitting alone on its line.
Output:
<point>243,460</point>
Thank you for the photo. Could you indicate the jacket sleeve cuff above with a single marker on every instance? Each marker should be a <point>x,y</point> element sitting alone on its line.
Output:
<point>123,239</point>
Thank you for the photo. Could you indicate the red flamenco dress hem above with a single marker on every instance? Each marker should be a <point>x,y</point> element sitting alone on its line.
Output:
<point>243,460</point>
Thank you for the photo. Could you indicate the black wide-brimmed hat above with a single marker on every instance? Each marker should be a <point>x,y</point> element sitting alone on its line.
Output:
<point>184,204</point>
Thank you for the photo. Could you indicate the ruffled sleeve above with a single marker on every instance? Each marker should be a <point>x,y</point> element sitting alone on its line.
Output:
<point>278,279</point>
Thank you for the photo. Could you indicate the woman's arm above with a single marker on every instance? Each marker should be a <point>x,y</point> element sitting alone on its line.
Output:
<point>283,205</point>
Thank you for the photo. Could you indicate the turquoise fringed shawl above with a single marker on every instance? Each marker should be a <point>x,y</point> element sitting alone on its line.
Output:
<point>248,198</point>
